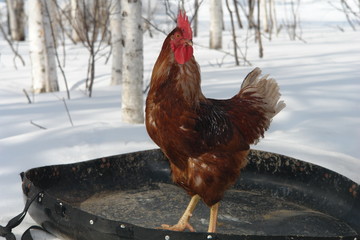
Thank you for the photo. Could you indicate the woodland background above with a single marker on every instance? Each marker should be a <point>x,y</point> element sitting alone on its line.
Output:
<point>70,107</point>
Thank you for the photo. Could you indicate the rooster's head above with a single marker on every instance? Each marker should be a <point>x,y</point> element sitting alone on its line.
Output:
<point>181,39</point>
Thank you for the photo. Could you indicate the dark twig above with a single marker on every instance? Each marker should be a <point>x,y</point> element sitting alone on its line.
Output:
<point>37,125</point>
<point>27,96</point>
<point>67,111</point>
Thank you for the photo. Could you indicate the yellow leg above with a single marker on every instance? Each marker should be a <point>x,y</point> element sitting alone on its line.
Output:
<point>213,217</point>
<point>184,220</point>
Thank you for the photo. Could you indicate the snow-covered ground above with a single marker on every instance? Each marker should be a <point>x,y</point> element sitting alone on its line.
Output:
<point>319,81</point>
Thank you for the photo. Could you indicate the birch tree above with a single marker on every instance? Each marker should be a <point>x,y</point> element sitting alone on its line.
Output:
<point>216,16</point>
<point>42,49</point>
<point>268,16</point>
<point>250,17</point>
<point>258,30</point>
<point>273,20</point>
<point>264,15</point>
<point>132,96</point>
<point>16,19</point>
<point>116,42</point>
<point>195,19</point>
<point>78,18</point>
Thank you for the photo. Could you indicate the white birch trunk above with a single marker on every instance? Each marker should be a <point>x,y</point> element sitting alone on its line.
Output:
<point>264,15</point>
<point>104,19</point>
<point>42,52</point>
<point>273,19</point>
<point>50,27</point>
<point>216,16</point>
<point>54,18</point>
<point>77,16</point>
<point>16,19</point>
<point>132,96</point>
<point>116,42</point>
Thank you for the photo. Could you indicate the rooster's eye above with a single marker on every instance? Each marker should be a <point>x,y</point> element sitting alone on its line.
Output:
<point>177,35</point>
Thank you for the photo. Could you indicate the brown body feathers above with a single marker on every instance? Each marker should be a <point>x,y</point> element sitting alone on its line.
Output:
<point>206,140</point>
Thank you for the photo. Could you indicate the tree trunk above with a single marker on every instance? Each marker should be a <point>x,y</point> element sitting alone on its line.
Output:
<point>97,18</point>
<point>53,16</point>
<point>42,51</point>
<point>273,19</point>
<point>237,14</point>
<point>132,87</point>
<point>16,19</point>
<point>258,31</point>
<point>103,18</point>
<point>216,16</point>
<point>251,4</point>
<point>195,24</point>
<point>116,42</point>
<point>78,20</point>
<point>50,44</point>
<point>264,15</point>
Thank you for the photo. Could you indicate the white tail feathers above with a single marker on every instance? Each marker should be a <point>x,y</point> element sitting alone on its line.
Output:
<point>265,88</point>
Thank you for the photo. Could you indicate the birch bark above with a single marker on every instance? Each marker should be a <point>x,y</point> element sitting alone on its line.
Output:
<point>78,20</point>
<point>132,96</point>
<point>42,49</point>
<point>116,42</point>
<point>264,15</point>
<point>216,16</point>
<point>16,19</point>
<point>273,18</point>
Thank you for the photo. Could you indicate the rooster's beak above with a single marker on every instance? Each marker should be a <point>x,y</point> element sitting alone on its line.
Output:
<point>188,42</point>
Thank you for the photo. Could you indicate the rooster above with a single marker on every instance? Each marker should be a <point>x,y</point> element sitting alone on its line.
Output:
<point>206,140</point>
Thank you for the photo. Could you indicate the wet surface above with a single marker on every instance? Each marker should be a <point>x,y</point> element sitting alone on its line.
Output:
<point>240,213</point>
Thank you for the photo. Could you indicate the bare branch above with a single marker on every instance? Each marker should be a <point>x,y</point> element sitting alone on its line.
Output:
<point>225,52</point>
<point>197,6</point>
<point>16,53</point>
<point>237,14</point>
<point>169,12</point>
<point>233,33</point>
<point>154,26</point>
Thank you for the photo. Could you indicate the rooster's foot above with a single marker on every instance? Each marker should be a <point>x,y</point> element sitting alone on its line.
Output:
<point>183,223</point>
<point>179,227</point>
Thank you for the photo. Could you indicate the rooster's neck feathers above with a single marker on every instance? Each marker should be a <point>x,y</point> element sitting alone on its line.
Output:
<point>188,83</point>
<point>170,76</point>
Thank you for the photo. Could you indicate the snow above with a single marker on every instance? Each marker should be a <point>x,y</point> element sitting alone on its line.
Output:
<point>319,82</point>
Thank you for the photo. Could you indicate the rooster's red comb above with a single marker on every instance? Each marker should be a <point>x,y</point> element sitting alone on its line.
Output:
<point>184,25</point>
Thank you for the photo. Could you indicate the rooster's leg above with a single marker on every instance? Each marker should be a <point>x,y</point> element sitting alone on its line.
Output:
<point>184,220</point>
<point>213,217</point>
